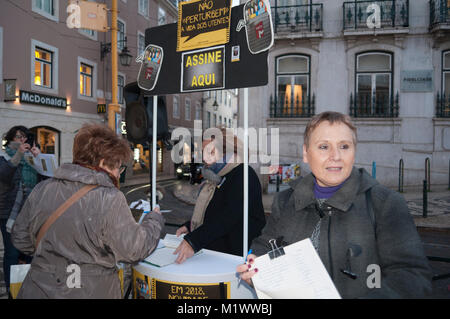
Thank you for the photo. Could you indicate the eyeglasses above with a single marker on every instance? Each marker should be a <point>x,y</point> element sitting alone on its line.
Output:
<point>20,136</point>
<point>122,169</point>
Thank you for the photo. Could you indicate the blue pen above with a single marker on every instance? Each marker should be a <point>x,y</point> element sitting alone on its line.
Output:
<point>245,261</point>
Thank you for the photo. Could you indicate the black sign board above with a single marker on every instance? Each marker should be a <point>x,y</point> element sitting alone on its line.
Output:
<point>249,71</point>
<point>203,69</point>
<point>42,99</point>
<point>173,290</point>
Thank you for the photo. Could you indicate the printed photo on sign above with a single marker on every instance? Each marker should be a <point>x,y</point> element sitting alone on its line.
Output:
<point>151,61</point>
<point>203,69</point>
<point>258,25</point>
<point>235,53</point>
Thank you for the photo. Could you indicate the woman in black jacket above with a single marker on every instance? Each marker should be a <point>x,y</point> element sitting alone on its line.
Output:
<point>218,219</point>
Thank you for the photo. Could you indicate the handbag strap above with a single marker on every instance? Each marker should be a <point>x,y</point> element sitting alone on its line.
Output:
<point>61,209</point>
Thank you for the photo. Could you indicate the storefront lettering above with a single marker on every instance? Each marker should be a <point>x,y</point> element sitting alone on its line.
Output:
<point>40,99</point>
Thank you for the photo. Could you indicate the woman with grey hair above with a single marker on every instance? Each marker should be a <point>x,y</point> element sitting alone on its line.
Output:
<point>351,219</point>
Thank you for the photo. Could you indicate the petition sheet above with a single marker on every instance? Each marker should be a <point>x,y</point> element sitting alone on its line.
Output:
<point>298,274</point>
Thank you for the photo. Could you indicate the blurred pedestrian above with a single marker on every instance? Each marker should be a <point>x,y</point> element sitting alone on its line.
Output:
<point>218,219</point>
<point>17,179</point>
<point>353,221</point>
<point>95,233</point>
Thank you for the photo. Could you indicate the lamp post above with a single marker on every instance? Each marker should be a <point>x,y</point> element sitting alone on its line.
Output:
<point>113,107</point>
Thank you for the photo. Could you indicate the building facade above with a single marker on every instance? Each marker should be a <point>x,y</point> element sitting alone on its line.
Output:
<point>53,78</point>
<point>385,63</point>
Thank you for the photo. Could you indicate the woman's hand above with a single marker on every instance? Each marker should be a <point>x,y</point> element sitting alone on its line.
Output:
<point>182,230</point>
<point>244,270</point>
<point>35,150</point>
<point>156,210</point>
<point>184,252</point>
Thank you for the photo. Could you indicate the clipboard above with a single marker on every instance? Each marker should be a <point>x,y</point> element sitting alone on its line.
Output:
<point>292,272</point>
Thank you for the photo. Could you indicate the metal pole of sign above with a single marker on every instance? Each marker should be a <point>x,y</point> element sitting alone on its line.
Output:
<point>245,238</point>
<point>155,115</point>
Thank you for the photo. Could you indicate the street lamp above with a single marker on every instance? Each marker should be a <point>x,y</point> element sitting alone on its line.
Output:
<point>125,56</point>
<point>215,105</point>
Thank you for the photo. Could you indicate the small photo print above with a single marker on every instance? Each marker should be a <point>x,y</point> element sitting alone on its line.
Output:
<point>235,53</point>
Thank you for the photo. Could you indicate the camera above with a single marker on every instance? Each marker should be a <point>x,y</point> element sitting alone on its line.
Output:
<point>30,139</point>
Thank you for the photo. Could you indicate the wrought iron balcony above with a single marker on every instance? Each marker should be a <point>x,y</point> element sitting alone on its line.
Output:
<point>298,18</point>
<point>363,105</point>
<point>393,14</point>
<point>442,105</point>
<point>280,108</point>
<point>439,13</point>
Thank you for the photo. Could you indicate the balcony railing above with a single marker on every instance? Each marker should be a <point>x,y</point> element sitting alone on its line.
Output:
<point>299,18</point>
<point>439,12</point>
<point>363,105</point>
<point>443,105</point>
<point>279,108</point>
<point>393,13</point>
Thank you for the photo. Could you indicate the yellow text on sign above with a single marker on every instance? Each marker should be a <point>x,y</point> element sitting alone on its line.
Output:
<point>204,58</point>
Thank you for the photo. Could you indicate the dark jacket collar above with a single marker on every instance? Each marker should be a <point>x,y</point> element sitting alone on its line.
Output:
<point>358,182</point>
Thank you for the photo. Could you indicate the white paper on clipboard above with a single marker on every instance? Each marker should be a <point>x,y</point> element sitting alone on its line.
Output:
<point>44,164</point>
<point>298,274</point>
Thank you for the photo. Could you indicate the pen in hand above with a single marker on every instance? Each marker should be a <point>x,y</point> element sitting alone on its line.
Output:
<point>245,261</point>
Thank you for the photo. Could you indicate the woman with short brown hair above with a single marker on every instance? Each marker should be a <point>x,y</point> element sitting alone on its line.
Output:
<point>95,233</point>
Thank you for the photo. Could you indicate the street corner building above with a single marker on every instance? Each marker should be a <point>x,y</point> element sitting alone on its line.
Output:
<point>385,63</point>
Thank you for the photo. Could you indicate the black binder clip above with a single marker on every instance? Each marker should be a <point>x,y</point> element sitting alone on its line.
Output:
<point>276,251</point>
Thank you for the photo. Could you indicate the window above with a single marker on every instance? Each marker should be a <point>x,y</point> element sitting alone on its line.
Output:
<point>446,72</point>
<point>292,85</point>
<point>187,109</point>
<point>219,97</point>
<point>143,7</point>
<point>120,85</point>
<point>229,123</point>
<point>120,35</point>
<point>47,8</point>
<point>44,70</point>
<point>220,120</point>
<point>1,55</point>
<point>443,101</point>
<point>161,16</point>
<point>208,119</point>
<point>215,120</point>
<point>42,67</point>
<point>198,111</point>
<point>86,79</point>
<point>141,43</point>
<point>176,107</point>
<point>373,84</point>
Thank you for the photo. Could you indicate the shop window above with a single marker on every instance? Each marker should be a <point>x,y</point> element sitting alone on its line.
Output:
<point>292,85</point>
<point>47,140</point>
<point>373,84</point>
